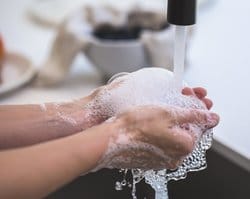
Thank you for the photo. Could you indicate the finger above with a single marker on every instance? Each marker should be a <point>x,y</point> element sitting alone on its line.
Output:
<point>187,91</point>
<point>115,84</point>
<point>208,103</point>
<point>197,117</point>
<point>200,92</point>
<point>182,143</point>
<point>173,164</point>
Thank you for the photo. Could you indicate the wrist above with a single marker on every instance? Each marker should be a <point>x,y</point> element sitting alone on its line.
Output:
<point>99,139</point>
<point>77,113</point>
<point>89,111</point>
<point>92,145</point>
<point>86,113</point>
<point>69,117</point>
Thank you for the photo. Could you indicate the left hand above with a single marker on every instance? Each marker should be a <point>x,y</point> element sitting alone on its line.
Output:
<point>199,92</point>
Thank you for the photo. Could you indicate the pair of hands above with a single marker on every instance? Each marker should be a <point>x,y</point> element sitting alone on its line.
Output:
<point>156,137</point>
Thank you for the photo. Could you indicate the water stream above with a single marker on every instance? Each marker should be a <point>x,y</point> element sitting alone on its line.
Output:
<point>196,160</point>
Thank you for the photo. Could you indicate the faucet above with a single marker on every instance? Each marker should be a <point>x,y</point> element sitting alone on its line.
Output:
<point>181,13</point>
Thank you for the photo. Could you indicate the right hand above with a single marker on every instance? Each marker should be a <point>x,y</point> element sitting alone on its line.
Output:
<point>151,137</point>
<point>199,92</point>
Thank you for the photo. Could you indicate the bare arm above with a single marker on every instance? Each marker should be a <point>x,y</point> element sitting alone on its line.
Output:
<point>23,125</point>
<point>35,171</point>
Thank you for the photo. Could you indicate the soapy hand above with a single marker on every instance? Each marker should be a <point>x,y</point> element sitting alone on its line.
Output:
<point>151,137</point>
<point>199,92</point>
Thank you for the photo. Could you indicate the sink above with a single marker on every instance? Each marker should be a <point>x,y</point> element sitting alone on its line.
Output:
<point>221,180</point>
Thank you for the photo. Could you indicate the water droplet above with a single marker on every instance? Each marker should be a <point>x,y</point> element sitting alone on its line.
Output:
<point>118,186</point>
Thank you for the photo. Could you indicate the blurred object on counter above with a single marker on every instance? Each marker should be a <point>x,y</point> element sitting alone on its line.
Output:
<point>147,20</point>
<point>52,13</point>
<point>113,40</point>
<point>137,23</point>
<point>2,55</point>
<point>15,70</point>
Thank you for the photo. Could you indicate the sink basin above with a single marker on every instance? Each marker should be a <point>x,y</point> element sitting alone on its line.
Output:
<point>221,180</point>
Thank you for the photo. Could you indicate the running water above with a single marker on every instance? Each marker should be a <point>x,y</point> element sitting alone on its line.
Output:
<point>196,160</point>
<point>160,90</point>
<point>179,54</point>
<point>179,67</point>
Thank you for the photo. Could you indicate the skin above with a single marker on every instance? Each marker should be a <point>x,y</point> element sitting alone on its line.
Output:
<point>37,170</point>
<point>169,135</point>
<point>24,125</point>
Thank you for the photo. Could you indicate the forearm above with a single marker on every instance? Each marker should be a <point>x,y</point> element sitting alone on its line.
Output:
<point>23,125</point>
<point>36,171</point>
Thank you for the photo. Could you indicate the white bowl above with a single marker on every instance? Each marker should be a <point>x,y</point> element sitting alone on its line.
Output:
<point>17,71</point>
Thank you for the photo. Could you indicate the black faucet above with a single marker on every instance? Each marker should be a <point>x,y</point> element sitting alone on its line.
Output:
<point>181,12</point>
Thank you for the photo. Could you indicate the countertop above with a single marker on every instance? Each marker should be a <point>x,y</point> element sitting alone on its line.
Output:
<point>219,60</point>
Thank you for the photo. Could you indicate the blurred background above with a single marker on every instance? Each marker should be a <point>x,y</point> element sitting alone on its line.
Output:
<point>94,39</point>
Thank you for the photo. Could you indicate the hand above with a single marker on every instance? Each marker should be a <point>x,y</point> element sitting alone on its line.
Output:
<point>199,92</point>
<point>151,137</point>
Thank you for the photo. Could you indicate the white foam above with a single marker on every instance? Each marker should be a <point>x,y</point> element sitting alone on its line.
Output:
<point>68,119</point>
<point>43,107</point>
<point>148,86</point>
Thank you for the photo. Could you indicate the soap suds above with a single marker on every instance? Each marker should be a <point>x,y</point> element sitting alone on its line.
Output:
<point>123,150</point>
<point>67,119</point>
<point>43,107</point>
<point>148,86</point>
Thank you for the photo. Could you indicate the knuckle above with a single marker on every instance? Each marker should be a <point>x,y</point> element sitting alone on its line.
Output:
<point>199,116</point>
<point>186,146</point>
<point>165,114</point>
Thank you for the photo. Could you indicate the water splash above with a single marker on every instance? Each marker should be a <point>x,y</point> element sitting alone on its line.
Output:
<point>158,180</point>
<point>196,161</point>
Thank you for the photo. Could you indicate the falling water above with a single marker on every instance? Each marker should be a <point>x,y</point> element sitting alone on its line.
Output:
<point>196,161</point>
<point>179,54</point>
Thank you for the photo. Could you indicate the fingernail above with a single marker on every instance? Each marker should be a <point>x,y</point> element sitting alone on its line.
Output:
<point>213,119</point>
<point>199,95</point>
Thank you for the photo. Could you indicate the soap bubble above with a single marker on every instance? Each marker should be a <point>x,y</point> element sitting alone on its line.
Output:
<point>152,86</point>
